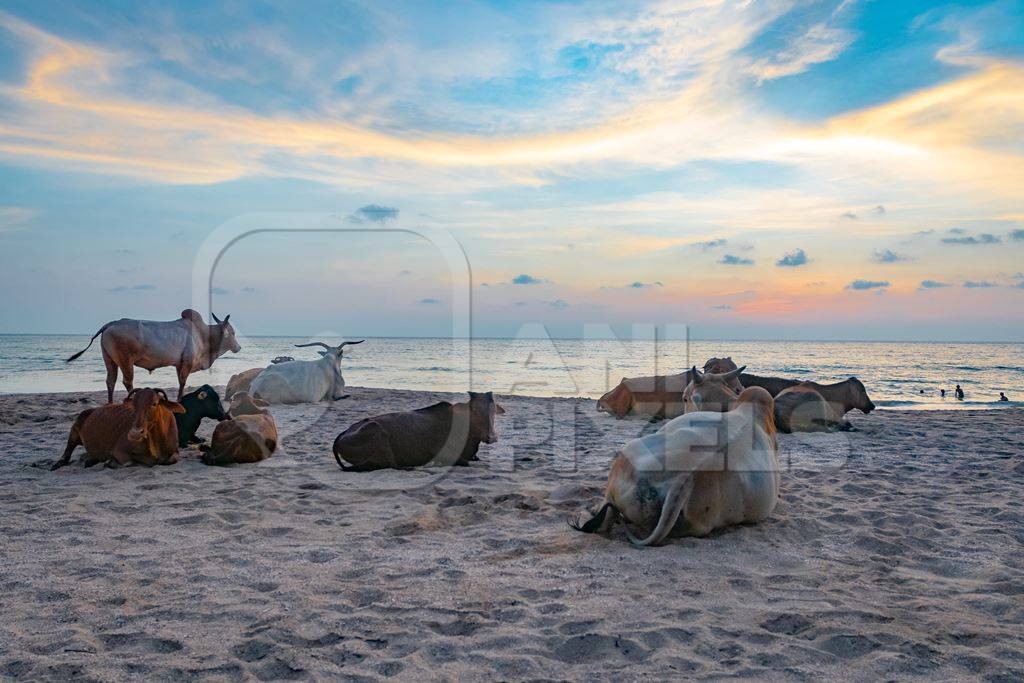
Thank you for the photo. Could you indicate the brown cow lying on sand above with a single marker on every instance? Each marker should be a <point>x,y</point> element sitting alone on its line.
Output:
<point>140,431</point>
<point>699,472</point>
<point>659,396</point>
<point>241,382</point>
<point>441,434</point>
<point>249,436</point>
<point>813,407</point>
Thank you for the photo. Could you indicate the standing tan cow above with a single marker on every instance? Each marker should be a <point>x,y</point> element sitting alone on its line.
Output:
<point>188,344</point>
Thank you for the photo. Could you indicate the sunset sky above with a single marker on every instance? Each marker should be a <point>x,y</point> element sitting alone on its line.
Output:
<point>798,170</point>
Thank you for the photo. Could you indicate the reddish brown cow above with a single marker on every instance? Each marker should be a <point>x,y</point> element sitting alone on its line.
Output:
<point>659,396</point>
<point>141,430</point>
<point>189,344</point>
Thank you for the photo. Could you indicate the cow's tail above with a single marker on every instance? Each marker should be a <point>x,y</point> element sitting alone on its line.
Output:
<point>101,330</point>
<point>678,493</point>
<point>595,523</point>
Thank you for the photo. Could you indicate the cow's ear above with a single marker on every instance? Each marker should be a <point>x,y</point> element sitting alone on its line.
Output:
<point>498,409</point>
<point>202,396</point>
<point>173,406</point>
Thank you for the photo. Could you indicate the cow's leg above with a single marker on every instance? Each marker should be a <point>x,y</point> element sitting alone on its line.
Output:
<point>182,378</point>
<point>121,457</point>
<point>74,440</point>
<point>111,375</point>
<point>90,459</point>
<point>127,376</point>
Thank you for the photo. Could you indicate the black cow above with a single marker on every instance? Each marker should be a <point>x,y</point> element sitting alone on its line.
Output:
<point>203,402</point>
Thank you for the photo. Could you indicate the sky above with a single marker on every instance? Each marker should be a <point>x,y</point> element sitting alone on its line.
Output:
<point>849,169</point>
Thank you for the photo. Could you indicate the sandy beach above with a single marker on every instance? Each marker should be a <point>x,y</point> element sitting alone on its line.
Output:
<point>895,552</point>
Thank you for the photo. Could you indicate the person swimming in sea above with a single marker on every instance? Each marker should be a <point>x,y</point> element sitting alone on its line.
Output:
<point>1002,397</point>
<point>942,392</point>
<point>959,393</point>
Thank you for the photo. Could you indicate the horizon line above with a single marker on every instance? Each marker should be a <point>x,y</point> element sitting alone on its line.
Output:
<point>556,338</point>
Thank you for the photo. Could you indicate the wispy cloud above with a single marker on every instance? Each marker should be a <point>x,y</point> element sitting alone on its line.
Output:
<point>374,213</point>
<point>889,256</point>
<point>144,287</point>
<point>733,260</point>
<point>15,217</point>
<point>525,279</point>
<point>861,285</point>
<point>934,284</point>
<point>707,245</point>
<point>429,301</point>
<point>792,259</point>
<point>983,238</point>
<point>979,284</point>
<point>1017,235</point>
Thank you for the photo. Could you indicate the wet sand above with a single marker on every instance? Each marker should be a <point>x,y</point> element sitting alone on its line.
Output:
<point>896,551</point>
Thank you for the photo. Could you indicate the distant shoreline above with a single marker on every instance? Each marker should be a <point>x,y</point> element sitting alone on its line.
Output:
<point>954,406</point>
<point>702,340</point>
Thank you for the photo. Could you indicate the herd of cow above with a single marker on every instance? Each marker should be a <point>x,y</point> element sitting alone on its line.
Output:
<point>713,464</point>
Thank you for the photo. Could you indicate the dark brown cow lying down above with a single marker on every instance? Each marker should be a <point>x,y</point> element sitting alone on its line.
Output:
<point>773,385</point>
<point>441,434</point>
<point>813,407</point>
<point>659,396</point>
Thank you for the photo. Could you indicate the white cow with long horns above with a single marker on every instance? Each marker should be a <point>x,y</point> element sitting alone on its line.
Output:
<point>303,381</point>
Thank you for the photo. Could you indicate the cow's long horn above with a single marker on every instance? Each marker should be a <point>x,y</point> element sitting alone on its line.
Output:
<point>734,374</point>
<point>347,343</point>
<point>332,348</point>
<point>695,374</point>
<point>215,318</point>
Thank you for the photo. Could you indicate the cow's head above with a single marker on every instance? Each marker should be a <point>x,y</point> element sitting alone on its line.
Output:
<point>335,352</point>
<point>618,401</point>
<point>144,402</point>
<point>710,392</point>
<point>859,396</point>
<point>227,335</point>
<point>204,402</point>
<point>482,410</point>
<point>719,365</point>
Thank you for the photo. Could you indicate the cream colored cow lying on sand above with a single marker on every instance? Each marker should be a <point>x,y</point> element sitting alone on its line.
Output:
<point>700,472</point>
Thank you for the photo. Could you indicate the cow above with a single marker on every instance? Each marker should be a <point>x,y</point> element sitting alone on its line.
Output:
<point>711,392</point>
<point>773,385</point>
<point>241,382</point>
<point>187,343</point>
<point>813,407</point>
<point>203,402</point>
<point>699,472</point>
<point>141,430</point>
<point>441,434</point>
<point>250,436</point>
<point>659,396</point>
<point>303,381</point>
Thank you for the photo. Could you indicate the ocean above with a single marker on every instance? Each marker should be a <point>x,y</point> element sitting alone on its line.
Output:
<point>896,374</point>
